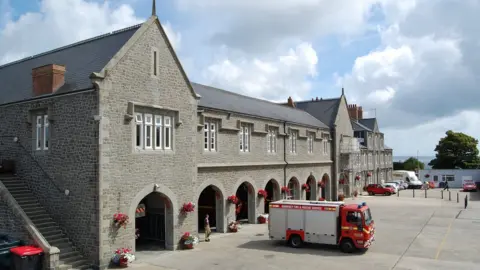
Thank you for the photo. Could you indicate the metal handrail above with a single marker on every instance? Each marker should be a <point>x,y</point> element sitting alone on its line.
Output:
<point>17,141</point>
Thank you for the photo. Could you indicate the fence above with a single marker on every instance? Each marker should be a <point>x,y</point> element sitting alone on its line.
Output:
<point>450,195</point>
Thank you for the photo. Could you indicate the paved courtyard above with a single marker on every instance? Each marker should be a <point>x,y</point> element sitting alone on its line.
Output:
<point>411,233</point>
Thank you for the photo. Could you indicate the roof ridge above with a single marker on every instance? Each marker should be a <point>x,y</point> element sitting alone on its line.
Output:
<point>71,45</point>
<point>249,97</point>
<point>321,99</point>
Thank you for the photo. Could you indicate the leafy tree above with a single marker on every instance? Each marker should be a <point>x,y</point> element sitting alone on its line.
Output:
<point>456,150</point>
<point>398,166</point>
<point>412,164</point>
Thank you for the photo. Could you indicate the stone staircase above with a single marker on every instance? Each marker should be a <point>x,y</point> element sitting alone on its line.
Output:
<point>70,258</point>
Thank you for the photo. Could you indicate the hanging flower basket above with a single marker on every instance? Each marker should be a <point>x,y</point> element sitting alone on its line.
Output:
<point>120,220</point>
<point>357,177</point>
<point>232,199</point>
<point>262,193</point>
<point>321,183</point>
<point>369,174</point>
<point>285,190</point>
<point>342,181</point>
<point>306,187</point>
<point>427,175</point>
<point>188,207</point>
<point>233,227</point>
<point>189,241</point>
<point>122,257</point>
<point>355,193</point>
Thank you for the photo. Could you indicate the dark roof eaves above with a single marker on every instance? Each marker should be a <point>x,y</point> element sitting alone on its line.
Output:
<point>50,96</point>
<point>263,117</point>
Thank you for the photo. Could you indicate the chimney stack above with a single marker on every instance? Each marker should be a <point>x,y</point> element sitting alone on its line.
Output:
<point>47,79</point>
<point>290,102</point>
<point>355,112</point>
<point>316,99</point>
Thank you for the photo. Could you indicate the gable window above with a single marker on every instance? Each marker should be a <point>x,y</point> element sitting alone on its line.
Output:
<point>42,132</point>
<point>293,141</point>
<point>272,141</point>
<point>153,132</point>
<point>310,143</point>
<point>210,136</point>
<point>154,62</point>
<point>244,137</point>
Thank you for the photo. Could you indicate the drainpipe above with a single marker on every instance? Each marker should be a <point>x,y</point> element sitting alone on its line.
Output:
<point>333,190</point>
<point>285,154</point>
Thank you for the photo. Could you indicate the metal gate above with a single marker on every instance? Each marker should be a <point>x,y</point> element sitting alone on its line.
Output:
<point>152,226</point>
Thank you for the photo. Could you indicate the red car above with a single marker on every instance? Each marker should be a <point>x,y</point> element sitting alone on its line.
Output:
<point>374,189</point>
<point>469,187</point>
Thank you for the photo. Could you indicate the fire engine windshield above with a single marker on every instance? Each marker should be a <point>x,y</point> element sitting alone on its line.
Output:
<point>368,216</point>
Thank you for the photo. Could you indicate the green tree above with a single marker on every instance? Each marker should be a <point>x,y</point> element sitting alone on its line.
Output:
<point>456,150</point>
<point>412,164</point>
<point>398,166</point>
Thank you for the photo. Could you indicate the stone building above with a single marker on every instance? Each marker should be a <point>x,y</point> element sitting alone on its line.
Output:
<point>359,154</point>
<point>113,125</point>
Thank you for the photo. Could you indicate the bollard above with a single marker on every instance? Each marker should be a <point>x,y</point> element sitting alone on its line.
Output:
<point>441,193</point>
<point>398,193</point>
<point>458,197</point>
<point>449,195</point>
<point>425,193</point>
<point>413,190</point>
<point>466,201</point>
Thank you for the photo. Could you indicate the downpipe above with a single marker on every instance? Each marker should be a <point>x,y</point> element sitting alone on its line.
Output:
<point>333,190</point>
<point>284,156</point>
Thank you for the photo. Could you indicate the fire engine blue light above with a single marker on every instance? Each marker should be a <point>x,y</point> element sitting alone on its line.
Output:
<point>364,204</point>
<point>359,206</point>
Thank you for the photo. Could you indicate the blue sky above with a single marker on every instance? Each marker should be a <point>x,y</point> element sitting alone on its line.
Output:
<point>402,58</point>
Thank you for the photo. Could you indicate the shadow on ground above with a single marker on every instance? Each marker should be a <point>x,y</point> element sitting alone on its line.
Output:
<point>311,249</point>
<point>474,196</point>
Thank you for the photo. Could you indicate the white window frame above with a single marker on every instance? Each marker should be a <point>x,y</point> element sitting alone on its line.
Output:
<point>46,133</point>
<point>38,132</point>
<point>213,136</point>
<point>293,141</point>
<point>244,137</point>
<point>148,132</point>
<point>272,141</point>
<point>325,146</point>
<point>167,132</point>
<point>210,136</point>
<point>310,143</point>
<point>158,132</point>
<point>139,127</point>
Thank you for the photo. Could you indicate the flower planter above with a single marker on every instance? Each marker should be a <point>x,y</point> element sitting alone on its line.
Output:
<point>188,246</point>
<point>233,230</point>
<point>262,220</point>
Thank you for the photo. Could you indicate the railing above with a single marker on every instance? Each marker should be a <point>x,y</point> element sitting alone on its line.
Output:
<point>16,141</point>
<point>450,195</point>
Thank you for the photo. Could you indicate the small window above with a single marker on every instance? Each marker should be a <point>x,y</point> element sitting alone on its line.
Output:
<point>244,137</point>
<point>293,141</point>
<point>138,130</point>
<point>46,132</point>
<point>38,133</point>
<point>210,136</point>
<point>158,132</point>
<point>435,178</point>
<point>148,131</point>
<point>272,141</point>
<point>449,178</point>
<point>168,132</point>
<point>155,64</point>
<point>310,143</point>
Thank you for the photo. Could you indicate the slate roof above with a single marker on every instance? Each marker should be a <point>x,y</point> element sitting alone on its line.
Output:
<point>368,122</point>
<point>357,126</point>
<point>387,147</point>
<point>81,59</point>
<point>215,98</point>
<point>324,109</point>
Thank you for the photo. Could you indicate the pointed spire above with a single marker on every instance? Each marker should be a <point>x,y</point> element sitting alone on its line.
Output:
<point>154,8</point>
<point>343,92</point>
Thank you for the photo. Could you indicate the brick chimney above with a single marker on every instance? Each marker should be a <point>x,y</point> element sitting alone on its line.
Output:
<point>290,102</point>
<point>47,79</point>
<point>355,112</point>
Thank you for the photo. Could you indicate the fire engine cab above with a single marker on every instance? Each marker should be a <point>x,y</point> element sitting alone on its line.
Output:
<point>350,226</point>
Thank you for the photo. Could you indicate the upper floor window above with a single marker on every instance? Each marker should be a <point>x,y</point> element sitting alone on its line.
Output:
<point>153,131</point>
<point>325,146</point>
<point>272,141</point>
<point>210,136</point>
<point>310,143</point>
<point>244,138</point>
<point>293,141</point>
<point>42,132</point>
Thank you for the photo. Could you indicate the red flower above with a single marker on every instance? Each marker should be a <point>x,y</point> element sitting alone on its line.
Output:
<point>188,207</point>
<point>285,190</point>
<point>120,219</point>
<point>232,199</point>
<point>321,199</point>
<point>357,177</point>
<point>262,193</point>
<point>321,183</point>
<point>369,174</point>
<point>342,181</point>
<point>305,186</point>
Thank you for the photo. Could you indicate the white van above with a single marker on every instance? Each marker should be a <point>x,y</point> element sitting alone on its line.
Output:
<point>409,177</point>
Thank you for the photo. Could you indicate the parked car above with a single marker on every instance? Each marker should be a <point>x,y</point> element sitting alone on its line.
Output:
<point>402,183</point>
<point>469,187</point>
<point>374,189</point>
<point>393,185</point>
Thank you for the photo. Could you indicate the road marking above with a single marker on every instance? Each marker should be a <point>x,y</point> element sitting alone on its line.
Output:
<point>440,247</point>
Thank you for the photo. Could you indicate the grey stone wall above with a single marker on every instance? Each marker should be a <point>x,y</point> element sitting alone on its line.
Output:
<point>127,175</point>
<point>70,161</point>
<point>11,225</point>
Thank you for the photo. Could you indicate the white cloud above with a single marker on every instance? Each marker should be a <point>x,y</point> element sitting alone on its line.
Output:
<point>273,77</point>
<point>175,38</point>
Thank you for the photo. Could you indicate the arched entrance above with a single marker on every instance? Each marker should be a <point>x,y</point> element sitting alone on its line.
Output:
<point>294,188</point>
<point>245,208</point>
<point>273,194</point>
<point>154,222</point>
<point>325,180</point>
<point>210,202</point>
<point>311,192</point>
<point>344,184</point>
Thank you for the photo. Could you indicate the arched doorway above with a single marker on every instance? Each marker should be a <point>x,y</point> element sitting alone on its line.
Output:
<point>273,194</point>
<point>325,180</point>
<point>311,192</point>
<point>245,208</point>
<point>294,188</point>
<point>344,184</point>
<point>154,222</point>
<point>210,202</point>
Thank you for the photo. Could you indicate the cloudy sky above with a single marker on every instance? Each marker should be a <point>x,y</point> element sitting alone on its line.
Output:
<point>412,63</point>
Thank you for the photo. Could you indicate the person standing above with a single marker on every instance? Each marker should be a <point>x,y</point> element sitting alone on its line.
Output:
<point>446,186</point>
<point>208,231</point>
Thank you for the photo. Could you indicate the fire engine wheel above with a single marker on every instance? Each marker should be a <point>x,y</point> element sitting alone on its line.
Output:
<point>295,241</point>
<point>346,246</point>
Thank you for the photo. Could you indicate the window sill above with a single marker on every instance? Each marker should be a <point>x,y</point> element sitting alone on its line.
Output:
<point>153,151</point>
<point>210,152</point>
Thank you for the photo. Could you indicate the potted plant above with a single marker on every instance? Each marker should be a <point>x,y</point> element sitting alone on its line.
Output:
<point>233,226</point>
<point>369,174</point>
<point>262,193</point>
<point>232,199</point>
<point>122,257</point>
<point>355,193</point>
<point>188,207</point>
<point>189,241</point>
<point>305,187</point>
<point>262,219</point>
<point>120,220</point>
